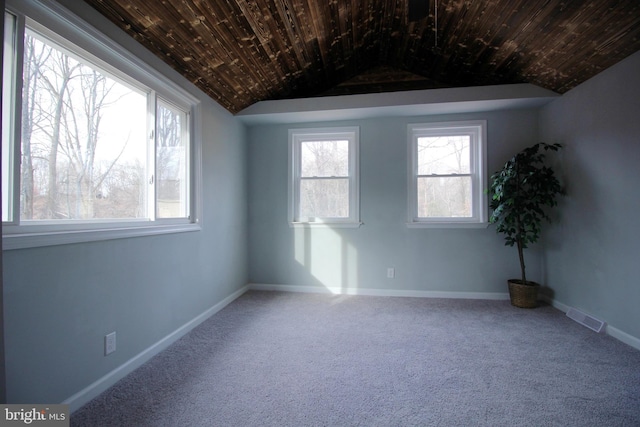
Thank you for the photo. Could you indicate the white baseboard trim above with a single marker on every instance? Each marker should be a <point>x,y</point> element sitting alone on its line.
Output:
<point>557,304</point>
<point>379,292</point>
<point>609,330</point>
<point>623,336</point>
<point>93,390</point>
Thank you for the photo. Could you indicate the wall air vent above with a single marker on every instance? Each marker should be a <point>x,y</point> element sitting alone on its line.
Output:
<point>585,320</point>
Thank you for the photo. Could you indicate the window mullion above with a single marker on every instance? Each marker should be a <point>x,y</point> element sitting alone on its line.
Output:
<point>186,185</point>
<point>323,177</point>
<point>445,175</point>
<point>12,90</point>
<point>297,173</point>
<point>152,135</point>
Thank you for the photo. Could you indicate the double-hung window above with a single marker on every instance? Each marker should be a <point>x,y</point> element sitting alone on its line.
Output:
<point>447,173</point>
<point>95,144</point>
<point>323,176</point>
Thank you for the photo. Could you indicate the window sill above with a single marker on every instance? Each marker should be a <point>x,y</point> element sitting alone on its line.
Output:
<point>325,224</point>
<point>447,224</point>
<point>34,239</point>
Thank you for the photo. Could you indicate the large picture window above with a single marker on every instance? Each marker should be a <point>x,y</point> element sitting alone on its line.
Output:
<point>324,176</point>
<point>85,146</point>
<point>447,174</point>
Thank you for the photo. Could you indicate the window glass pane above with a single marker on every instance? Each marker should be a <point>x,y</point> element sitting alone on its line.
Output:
<point>84,139</point>
<point>444,197</point>
<point>443,155</point>
<point>324,158</point>
<point>324,198</point>
<point>8,72</point>
<point>171,163</point>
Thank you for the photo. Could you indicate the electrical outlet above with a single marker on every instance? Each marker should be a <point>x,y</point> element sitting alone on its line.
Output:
<point>109,343</point>
<point>391,273</point>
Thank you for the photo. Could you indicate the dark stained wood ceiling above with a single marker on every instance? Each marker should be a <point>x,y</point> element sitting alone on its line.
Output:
<point>243,51</point>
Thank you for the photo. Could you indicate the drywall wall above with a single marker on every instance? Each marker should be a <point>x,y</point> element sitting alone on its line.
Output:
<point>591,255</point>
<point>60,301</point>
<point>351,260</point>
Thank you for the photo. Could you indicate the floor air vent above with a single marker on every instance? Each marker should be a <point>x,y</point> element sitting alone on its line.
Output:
<point>585,319</point>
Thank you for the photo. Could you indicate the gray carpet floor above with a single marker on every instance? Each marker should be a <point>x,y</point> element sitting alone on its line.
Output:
<point>286,359</point>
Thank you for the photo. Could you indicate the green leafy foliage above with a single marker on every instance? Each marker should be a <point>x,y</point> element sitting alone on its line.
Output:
<point>520,194</point>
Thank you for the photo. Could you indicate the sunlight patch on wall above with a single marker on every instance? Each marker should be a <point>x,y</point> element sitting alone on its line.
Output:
<point>328,257</point>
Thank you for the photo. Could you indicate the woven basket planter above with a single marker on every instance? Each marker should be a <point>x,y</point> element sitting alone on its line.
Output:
<point>523,296</point>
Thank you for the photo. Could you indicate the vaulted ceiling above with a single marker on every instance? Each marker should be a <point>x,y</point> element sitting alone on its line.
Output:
<point>243,51</point>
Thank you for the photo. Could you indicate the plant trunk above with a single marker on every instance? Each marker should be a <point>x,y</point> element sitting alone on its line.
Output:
<point>521,256</point>
<point>520,229</point>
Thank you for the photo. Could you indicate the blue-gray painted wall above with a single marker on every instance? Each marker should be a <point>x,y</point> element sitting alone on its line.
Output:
<point>444,260</point>
<point>592,255</point>
<point>60,301</point>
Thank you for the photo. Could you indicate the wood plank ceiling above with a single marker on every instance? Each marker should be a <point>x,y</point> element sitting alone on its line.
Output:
<point>243,51</point>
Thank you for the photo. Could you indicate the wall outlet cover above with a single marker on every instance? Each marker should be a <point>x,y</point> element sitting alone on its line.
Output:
<point>109,343</point>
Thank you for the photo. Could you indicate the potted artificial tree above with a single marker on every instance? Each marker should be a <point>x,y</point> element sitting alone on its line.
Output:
<point>520,193</point>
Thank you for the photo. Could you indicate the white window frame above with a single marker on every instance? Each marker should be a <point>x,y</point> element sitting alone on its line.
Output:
<point>296,138</point>
<point>477,130</point>
<point>59,24</point>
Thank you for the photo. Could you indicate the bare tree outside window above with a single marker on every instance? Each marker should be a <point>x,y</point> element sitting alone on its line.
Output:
<point>81,130</point>
<point>95,143</point>
<point>324,179</point>
<point>444,176</point>
<point>171,163</point>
